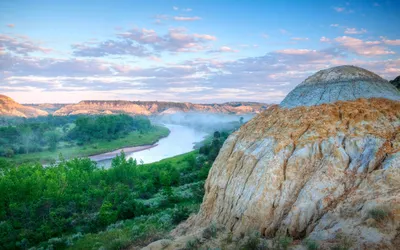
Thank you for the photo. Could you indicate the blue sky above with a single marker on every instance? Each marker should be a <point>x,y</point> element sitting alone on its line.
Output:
<point>195,51</point>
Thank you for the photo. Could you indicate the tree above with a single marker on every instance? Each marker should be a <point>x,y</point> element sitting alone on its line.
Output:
<point>52,138</point>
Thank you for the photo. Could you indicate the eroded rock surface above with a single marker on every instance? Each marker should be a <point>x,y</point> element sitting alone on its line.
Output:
<point>8,107</point>
<point>154,107</point>
<point>309,172</point>
<point>342,83</point>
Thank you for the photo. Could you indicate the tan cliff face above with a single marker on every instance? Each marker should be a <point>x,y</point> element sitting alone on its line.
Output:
<point>287,172</point>
<point>154,108</point>
<point>309,171</point>
<point>8,107</point>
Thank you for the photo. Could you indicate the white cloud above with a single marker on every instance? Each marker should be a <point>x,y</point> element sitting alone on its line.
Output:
<point>223,49</point>
<point>300,38</point>
<point>354,31</point>
<point>334,25</point>
<point>324,39</point>
<point>339,9</point>
<point>184,18</point>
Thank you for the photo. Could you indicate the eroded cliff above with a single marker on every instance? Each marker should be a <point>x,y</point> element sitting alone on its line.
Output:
<point>321,172</point>
<point>155,108</point>
<point>8,107</point>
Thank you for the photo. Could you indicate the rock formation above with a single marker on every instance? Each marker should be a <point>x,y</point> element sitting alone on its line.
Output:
<point>396,82</point>
<point>154,107</point>
<point>315,167</point>
<point>341,83</point>
<point>48,107</point>
<point>8,107</point>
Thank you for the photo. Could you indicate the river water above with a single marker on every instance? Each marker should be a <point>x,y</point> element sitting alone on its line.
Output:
<point>180,140</point>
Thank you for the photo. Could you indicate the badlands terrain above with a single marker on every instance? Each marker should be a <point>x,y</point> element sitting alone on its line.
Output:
<point>320,169</point>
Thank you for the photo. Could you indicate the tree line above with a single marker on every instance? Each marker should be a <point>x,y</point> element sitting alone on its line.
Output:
<point>38,204</point>
<point>23,136</point>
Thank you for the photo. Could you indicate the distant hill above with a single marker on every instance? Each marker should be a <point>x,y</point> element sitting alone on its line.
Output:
<point>48,107</point>
<point>9,107</point>
<point>156,108</point>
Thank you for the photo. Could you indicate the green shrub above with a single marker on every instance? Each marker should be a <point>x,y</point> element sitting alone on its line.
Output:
<point>252,242</point>
<point>311,244</point>
<point>179,214</point>
<point>344,242</point>
<point>192,244</point>
<point>210,232</point>
<point>282,242</point>
<point>378,213</point>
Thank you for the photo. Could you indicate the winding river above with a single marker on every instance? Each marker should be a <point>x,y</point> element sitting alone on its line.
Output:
<point>180,140</point>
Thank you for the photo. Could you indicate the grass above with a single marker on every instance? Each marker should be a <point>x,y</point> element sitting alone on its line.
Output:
<point>101,146</point>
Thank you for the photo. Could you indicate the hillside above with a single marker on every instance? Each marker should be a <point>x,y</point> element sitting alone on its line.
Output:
<point>154,107</point>
<point>48,107</point>
<point>309,173</point>
<point>8,107</point>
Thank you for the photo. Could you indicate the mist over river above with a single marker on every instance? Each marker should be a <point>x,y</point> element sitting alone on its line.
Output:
<point>180,140</point>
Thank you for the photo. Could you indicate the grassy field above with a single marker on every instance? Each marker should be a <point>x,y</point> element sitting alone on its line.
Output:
<point>101,146</point>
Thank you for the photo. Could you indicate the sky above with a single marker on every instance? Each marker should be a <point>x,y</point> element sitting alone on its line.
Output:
<point>203,51</point>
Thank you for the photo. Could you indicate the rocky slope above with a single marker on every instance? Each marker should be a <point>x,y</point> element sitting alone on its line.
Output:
<point>329,172</point>
<point>154,107</point>
<point>396,82</point>
<point>8,107</point>
<point>339,84</point>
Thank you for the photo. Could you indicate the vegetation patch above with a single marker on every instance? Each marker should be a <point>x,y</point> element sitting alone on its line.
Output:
<point>74,204</point>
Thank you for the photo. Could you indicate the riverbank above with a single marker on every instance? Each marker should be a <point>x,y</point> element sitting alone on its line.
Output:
<point>133,139</point>
<point>127,150</point>
<point>180,140</point>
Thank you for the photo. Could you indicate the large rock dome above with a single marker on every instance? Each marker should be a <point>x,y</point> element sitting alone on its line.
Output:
<point>342,83</point>
<point>315,172</point>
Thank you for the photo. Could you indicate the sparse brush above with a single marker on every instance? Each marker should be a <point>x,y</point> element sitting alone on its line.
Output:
<point>192,244</point>
<point>311,244</point>
<point>210,232</point>
<point>254,242</point>
<point>378,213</point>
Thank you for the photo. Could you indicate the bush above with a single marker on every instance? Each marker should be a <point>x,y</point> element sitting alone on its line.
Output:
<point>192,244</point>
<point>179,214</point>
<point>210,232</point>
<point>345,242</point>
<point>254,242</point>
<point>311,244</point>
<point>379,214</point>
<point>282,242</point>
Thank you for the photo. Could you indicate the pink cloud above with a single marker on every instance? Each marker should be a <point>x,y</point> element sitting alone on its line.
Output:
<point>295,51</point>
<point>360,47</point>
<point>391,42</point>
<point>10,25</point>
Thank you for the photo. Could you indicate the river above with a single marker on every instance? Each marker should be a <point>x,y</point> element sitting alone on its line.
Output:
<point>180,140</point>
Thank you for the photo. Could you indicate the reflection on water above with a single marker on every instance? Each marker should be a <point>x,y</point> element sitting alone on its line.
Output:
<point>180,140</point>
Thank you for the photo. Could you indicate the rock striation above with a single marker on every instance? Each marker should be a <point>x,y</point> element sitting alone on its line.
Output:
<point>156,108</point>
<point>343,83</point>
<point>8,107</point>
<point>317,168</point>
